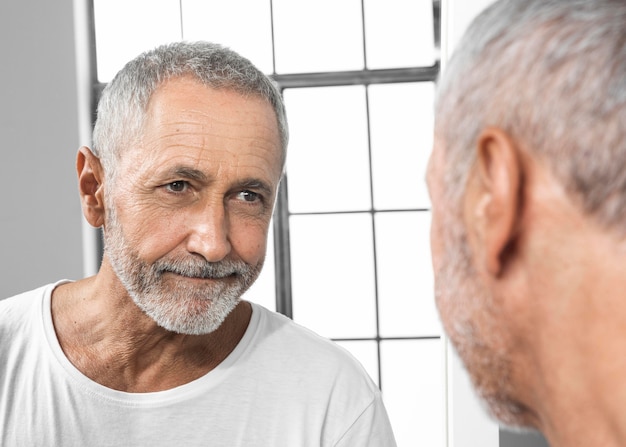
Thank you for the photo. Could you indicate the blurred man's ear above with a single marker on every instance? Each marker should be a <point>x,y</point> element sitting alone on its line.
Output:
<point>90,186</point>
<point>492,208</point>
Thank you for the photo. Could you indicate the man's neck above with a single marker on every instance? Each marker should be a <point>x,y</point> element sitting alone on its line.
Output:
<point>110,340</point>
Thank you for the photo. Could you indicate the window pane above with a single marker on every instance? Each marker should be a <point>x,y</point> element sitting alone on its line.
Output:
<point>333,274</point>
<point>243,25</point>
<point>399,33</point>
<point>126,29</point>
<point>405,276</point>
<point>365,352</point>
<point>263,291</point>
<point>413,390</point>
<point>316,36</point>
<point>328,160</point>
<point>401,129</point>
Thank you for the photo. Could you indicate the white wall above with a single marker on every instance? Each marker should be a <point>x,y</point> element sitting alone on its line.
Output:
<point>40,219</point>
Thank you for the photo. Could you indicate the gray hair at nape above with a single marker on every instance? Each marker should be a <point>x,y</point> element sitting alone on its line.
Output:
<point>551,73</point>
<point>122,105</point>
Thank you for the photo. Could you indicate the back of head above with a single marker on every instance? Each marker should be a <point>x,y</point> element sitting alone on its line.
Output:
<point>122,106</point>
<point>552,74</point>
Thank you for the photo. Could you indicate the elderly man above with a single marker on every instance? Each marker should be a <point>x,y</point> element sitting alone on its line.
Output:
<point>157,348</point>
<point>528,184</point>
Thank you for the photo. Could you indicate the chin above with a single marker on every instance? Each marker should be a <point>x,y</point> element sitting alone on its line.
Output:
<point>188,313</point>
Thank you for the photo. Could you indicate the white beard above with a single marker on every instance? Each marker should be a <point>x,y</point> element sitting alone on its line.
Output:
<point>165,291</point>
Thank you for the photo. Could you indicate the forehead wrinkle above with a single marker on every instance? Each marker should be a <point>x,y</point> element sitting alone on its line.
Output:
<point>202,118</point>
<point>207,140</point>
<point>266,167</point>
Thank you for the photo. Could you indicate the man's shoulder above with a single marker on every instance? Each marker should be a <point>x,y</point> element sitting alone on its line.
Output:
<point>17,309</point>
<point>302,347</point>
<point>313,369</point>
<point>22,298</point>
<point>285,331</point>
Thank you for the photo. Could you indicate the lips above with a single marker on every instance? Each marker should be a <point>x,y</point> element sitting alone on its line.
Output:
<point>199,270</point>
<point>201,276</point>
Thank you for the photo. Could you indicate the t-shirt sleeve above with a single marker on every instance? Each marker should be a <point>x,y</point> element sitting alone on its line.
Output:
<point>371,429</point>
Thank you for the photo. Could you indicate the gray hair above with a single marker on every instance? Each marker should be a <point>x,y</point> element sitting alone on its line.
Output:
<point>551,73</point>
<point>122,106</point>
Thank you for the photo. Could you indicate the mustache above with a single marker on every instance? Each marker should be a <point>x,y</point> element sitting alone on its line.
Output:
<point>198,268</point>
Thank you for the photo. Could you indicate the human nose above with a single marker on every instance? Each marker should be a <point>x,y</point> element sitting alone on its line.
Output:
<point>208,236</point>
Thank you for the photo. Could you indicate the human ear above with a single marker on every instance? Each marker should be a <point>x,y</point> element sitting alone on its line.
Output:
<point>497,197</point>
<point>90,186</point>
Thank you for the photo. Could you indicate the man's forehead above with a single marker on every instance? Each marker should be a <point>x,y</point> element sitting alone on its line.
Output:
<point>185,93</point>
<point>188,101</point>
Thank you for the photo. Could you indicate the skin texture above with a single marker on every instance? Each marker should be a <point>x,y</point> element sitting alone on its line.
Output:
<point>199,187</point>
<point>528,288</point>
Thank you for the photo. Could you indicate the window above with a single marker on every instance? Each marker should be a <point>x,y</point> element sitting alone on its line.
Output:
<point>350,257</point>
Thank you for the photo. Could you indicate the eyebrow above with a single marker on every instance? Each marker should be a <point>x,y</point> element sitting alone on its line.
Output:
<point>189,173</point>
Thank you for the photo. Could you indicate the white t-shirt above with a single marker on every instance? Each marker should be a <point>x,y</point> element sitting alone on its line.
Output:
<point>282,385</point>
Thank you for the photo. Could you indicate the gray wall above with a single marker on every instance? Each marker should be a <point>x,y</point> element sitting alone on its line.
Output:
<point>40,218</point>
<point>526,439</point>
